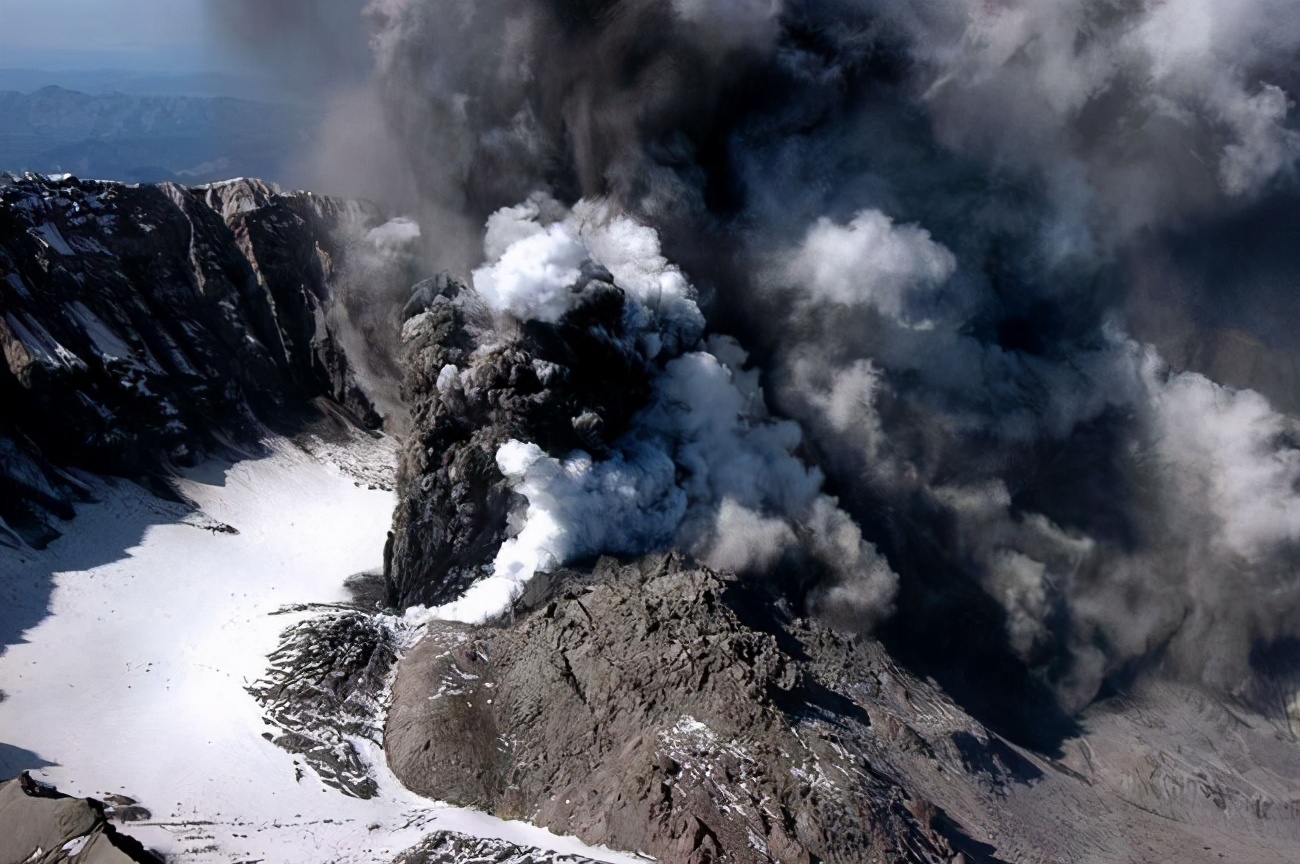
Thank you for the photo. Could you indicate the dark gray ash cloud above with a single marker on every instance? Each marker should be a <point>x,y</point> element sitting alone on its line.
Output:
<point>956,238</point>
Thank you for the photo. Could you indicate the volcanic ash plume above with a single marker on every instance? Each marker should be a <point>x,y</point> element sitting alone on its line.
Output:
<point>932,227</point>
<point>704,468</point>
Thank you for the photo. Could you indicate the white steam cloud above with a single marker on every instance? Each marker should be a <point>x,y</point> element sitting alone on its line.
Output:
<point>869,261</point>
<point>536,264</point>
<point>704,466</point>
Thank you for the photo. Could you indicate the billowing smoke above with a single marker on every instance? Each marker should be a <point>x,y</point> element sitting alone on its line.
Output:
<point>961,242</point>
<point>705,467</point>
<point>380,263</point>
<point>1130,113</point>
<point>313,47</point>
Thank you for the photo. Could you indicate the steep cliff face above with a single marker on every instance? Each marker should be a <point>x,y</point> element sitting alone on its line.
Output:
<point>142,326</point>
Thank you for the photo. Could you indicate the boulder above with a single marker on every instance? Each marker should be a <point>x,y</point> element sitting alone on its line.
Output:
<point>40,826</point>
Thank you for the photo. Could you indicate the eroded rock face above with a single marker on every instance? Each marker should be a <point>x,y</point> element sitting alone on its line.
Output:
<point>37,824</point>
<point>657,708</point>
<point>324,689</point>
<point>470,387</point>
<point>143,325</point>
<point>641,711</point>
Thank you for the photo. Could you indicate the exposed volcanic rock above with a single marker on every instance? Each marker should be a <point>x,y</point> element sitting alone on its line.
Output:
<point>682,714</point>
<point>38,824</point>
<point>144,325</point>
<point>471,387</point>
<point>324,689</point>
<point>448,847</point>
<point>642,712</point>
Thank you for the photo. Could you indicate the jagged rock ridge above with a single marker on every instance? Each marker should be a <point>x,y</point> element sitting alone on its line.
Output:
<point>448,847</point>
<point>325,688</point>
<point>145,325</point>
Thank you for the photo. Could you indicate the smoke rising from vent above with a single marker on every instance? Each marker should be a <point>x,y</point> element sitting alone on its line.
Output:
<point>704,468</point>
<point>931,225</point>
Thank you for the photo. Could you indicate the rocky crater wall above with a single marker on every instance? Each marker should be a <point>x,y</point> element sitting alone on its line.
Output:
<point>144,326</point>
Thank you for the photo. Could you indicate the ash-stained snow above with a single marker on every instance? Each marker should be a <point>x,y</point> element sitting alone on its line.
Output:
<point>449,848</point>
<point>132,680</point>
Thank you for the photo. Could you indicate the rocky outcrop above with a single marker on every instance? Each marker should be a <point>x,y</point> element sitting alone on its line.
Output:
<point>672,711</point>
<point>324,690</point>
<point>142,326</point>
<point>40,826</point>
<point>448,847</point>
<point>470,387</point>
<point>639,710</point>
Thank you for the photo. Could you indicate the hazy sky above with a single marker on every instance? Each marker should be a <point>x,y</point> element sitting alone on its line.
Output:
<point>150,35</point>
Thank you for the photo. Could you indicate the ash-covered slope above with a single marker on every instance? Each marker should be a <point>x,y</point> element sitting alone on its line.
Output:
<point>145,325</point>
<point>679,713</point>
<point>641,712</point>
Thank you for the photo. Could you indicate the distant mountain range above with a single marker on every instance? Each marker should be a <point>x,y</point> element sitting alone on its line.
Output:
<point>138,138</point>
<point>139,82</point>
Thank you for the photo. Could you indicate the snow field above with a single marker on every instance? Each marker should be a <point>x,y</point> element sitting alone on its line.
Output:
<point>133,683</point>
